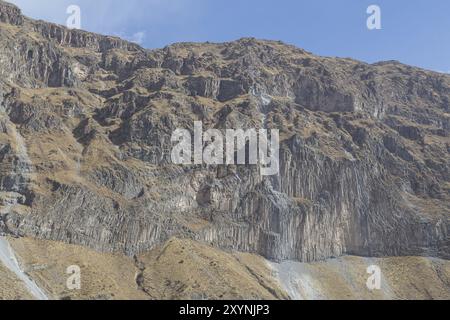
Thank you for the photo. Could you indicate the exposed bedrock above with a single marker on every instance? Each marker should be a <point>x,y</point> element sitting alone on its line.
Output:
<point>85,140</point>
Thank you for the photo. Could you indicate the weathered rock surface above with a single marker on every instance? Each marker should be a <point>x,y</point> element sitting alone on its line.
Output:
<point>85,127</point>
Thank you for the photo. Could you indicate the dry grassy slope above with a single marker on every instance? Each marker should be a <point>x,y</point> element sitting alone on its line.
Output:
<point>11,288</point>
<point>184,269</point>
<point>103,276</point>
<point>346,277</point>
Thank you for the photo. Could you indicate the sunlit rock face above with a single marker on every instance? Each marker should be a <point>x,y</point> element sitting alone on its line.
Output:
<point>85,142</point>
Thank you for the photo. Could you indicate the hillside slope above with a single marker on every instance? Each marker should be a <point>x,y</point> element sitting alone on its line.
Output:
<point>184,269</point>
<point>86,122</point>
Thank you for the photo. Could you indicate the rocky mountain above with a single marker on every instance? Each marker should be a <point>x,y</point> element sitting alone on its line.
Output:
<point>85,141</point>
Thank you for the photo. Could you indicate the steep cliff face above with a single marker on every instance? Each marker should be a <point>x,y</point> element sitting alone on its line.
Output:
<point>86,122</point>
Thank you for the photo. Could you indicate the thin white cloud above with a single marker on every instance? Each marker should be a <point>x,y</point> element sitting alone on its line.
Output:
<point>138,37</point>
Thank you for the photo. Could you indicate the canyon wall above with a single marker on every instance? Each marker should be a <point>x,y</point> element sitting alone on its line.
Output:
<point>85,140</point>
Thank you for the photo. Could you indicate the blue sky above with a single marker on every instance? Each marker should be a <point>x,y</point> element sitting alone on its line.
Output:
<point>414,32</point>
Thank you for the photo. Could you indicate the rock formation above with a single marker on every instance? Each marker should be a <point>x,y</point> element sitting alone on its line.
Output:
<point>85,140</point>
